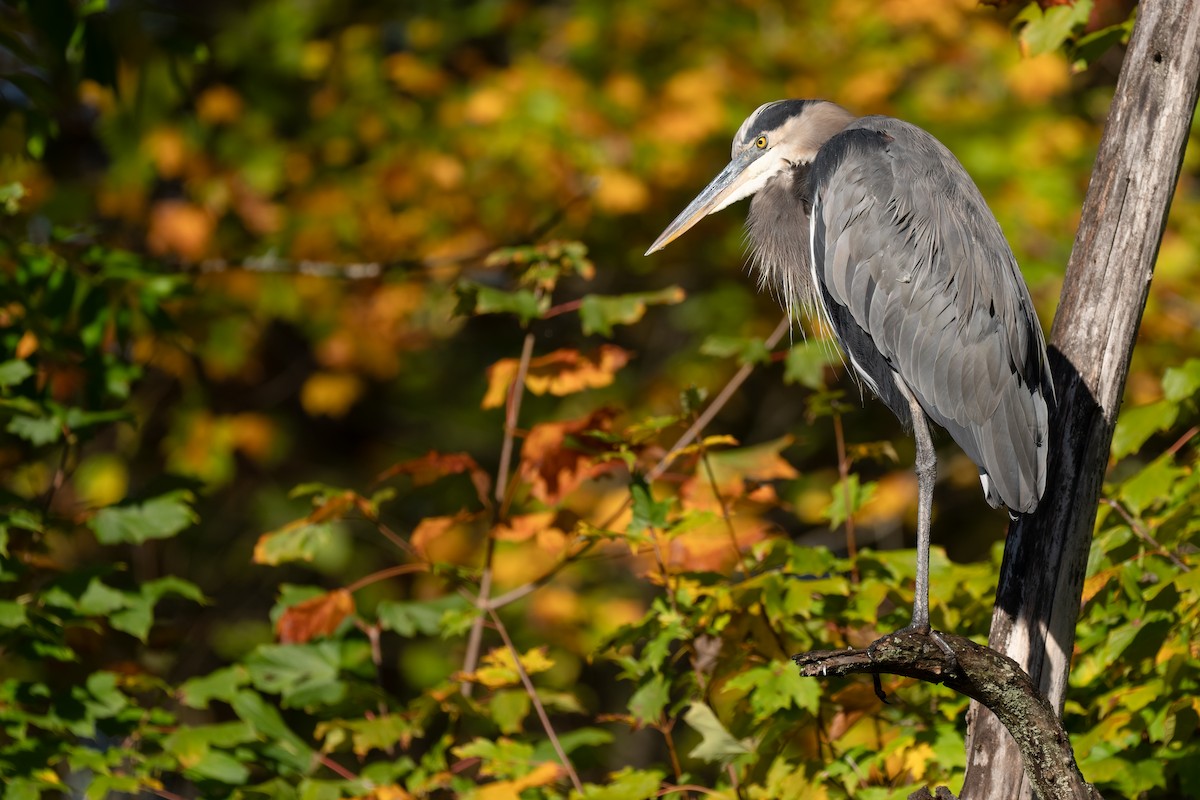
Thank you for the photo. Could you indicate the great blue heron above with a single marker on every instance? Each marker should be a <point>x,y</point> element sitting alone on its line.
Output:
<point>876,225</point>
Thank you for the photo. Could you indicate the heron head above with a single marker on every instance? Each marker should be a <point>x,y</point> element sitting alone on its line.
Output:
<point>772,140</point>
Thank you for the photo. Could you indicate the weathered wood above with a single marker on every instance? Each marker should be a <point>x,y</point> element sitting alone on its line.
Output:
<point>984,675</point>
<point>1107,280</point>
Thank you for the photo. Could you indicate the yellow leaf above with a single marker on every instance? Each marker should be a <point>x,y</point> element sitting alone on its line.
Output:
<point>542,774</point>
<point>1039,78</point>
<point>1095,583</point>
<point>620,192</point>
<point>330,393</point>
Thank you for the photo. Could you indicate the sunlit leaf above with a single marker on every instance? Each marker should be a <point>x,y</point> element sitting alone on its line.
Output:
<point>558,456</point>
<point>717,744</point>
<point>434,465</point>
<point>1045,30</point>
<point>294,542</point>
<point>559,373</point>
<point>1136,425</point>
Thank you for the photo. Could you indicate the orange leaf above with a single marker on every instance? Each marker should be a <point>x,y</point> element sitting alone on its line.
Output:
<point>434,465</point>
<point>523,527</point>
<point>318,616</point>
<point>560,373</point>
<point>27,345</point>
<point>432,529</point>
<point>554,465</point>
<point>180,229</point>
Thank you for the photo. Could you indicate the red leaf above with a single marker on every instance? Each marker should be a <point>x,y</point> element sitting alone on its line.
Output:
<point>318,616</point>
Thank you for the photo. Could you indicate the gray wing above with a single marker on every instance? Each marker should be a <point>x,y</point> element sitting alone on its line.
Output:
<point>920,285</point>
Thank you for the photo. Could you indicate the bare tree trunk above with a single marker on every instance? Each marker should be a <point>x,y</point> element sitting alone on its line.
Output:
<point>1107,280</point>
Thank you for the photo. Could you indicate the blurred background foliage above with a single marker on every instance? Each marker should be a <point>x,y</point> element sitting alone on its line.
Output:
<point>271,271</point>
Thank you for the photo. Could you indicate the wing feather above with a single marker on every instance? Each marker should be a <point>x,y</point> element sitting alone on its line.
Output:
<point>921,286</point>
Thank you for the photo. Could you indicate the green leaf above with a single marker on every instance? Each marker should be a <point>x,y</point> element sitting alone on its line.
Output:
<point>265,720</point>
<point>158,518</point>
<point>1044,31</point>
<point>1180,383</point>
<point>650,699</point>
<point>598,313</point>
<point>12,614</point>
<point>1151,485</point>
<point>218,766</point>
<point>300,543</point>
<point>628,784</point>
<point>303,675</point>
<point>106,700</point>
<point>1136,425</point>
<point>837,512</point>
<point>409,618</point>
<point>717,745</point>
<point>647,512</point>
<point>749,350</point>
<point>100,599</point>
<point>776,687</point>
<point>805,363</point>
<point>38,431</point>
<point>221,684</point>
<point>13,372</point>
<point>478,299</point>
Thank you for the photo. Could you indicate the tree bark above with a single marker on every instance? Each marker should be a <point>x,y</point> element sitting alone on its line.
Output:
<point>1107,280</point>
<point>982,674</point>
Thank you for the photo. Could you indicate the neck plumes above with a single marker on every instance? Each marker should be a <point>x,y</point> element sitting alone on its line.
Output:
<point>778,226</point>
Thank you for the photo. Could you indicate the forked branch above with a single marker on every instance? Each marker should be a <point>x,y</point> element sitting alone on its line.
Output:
<point>982,674</point>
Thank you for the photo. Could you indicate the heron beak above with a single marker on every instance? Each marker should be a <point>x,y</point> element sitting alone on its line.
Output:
<point>725,189</point>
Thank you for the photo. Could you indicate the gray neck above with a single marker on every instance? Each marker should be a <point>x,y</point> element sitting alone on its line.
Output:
<point>778,225</point>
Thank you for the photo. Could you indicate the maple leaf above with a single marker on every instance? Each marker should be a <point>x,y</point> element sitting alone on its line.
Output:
<point>559,373</point>
<point>558,456</point>
<point>318,616</point>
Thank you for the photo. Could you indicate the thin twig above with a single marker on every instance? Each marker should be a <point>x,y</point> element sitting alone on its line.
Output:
<point>1137,528</point>
<point>512,414</point>
<point>1182,440</point>
<point>372,632</point>
<point>716,405</point>
<point>166,795</point>
<point>844,471</point>
<point>716,490</point>
<point>384,574</point>
<point>665,730</point>
<point>333,766</point>
<point>688,787</point>
<point>537,702</point>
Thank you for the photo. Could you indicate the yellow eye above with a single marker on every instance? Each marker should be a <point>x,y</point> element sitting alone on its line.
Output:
<point>761,142</point>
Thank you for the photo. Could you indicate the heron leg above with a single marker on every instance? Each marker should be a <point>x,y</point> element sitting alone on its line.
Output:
<point>926,468</point>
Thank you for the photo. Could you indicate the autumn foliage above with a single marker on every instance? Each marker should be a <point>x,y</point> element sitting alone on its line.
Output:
<point>351,448</point>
